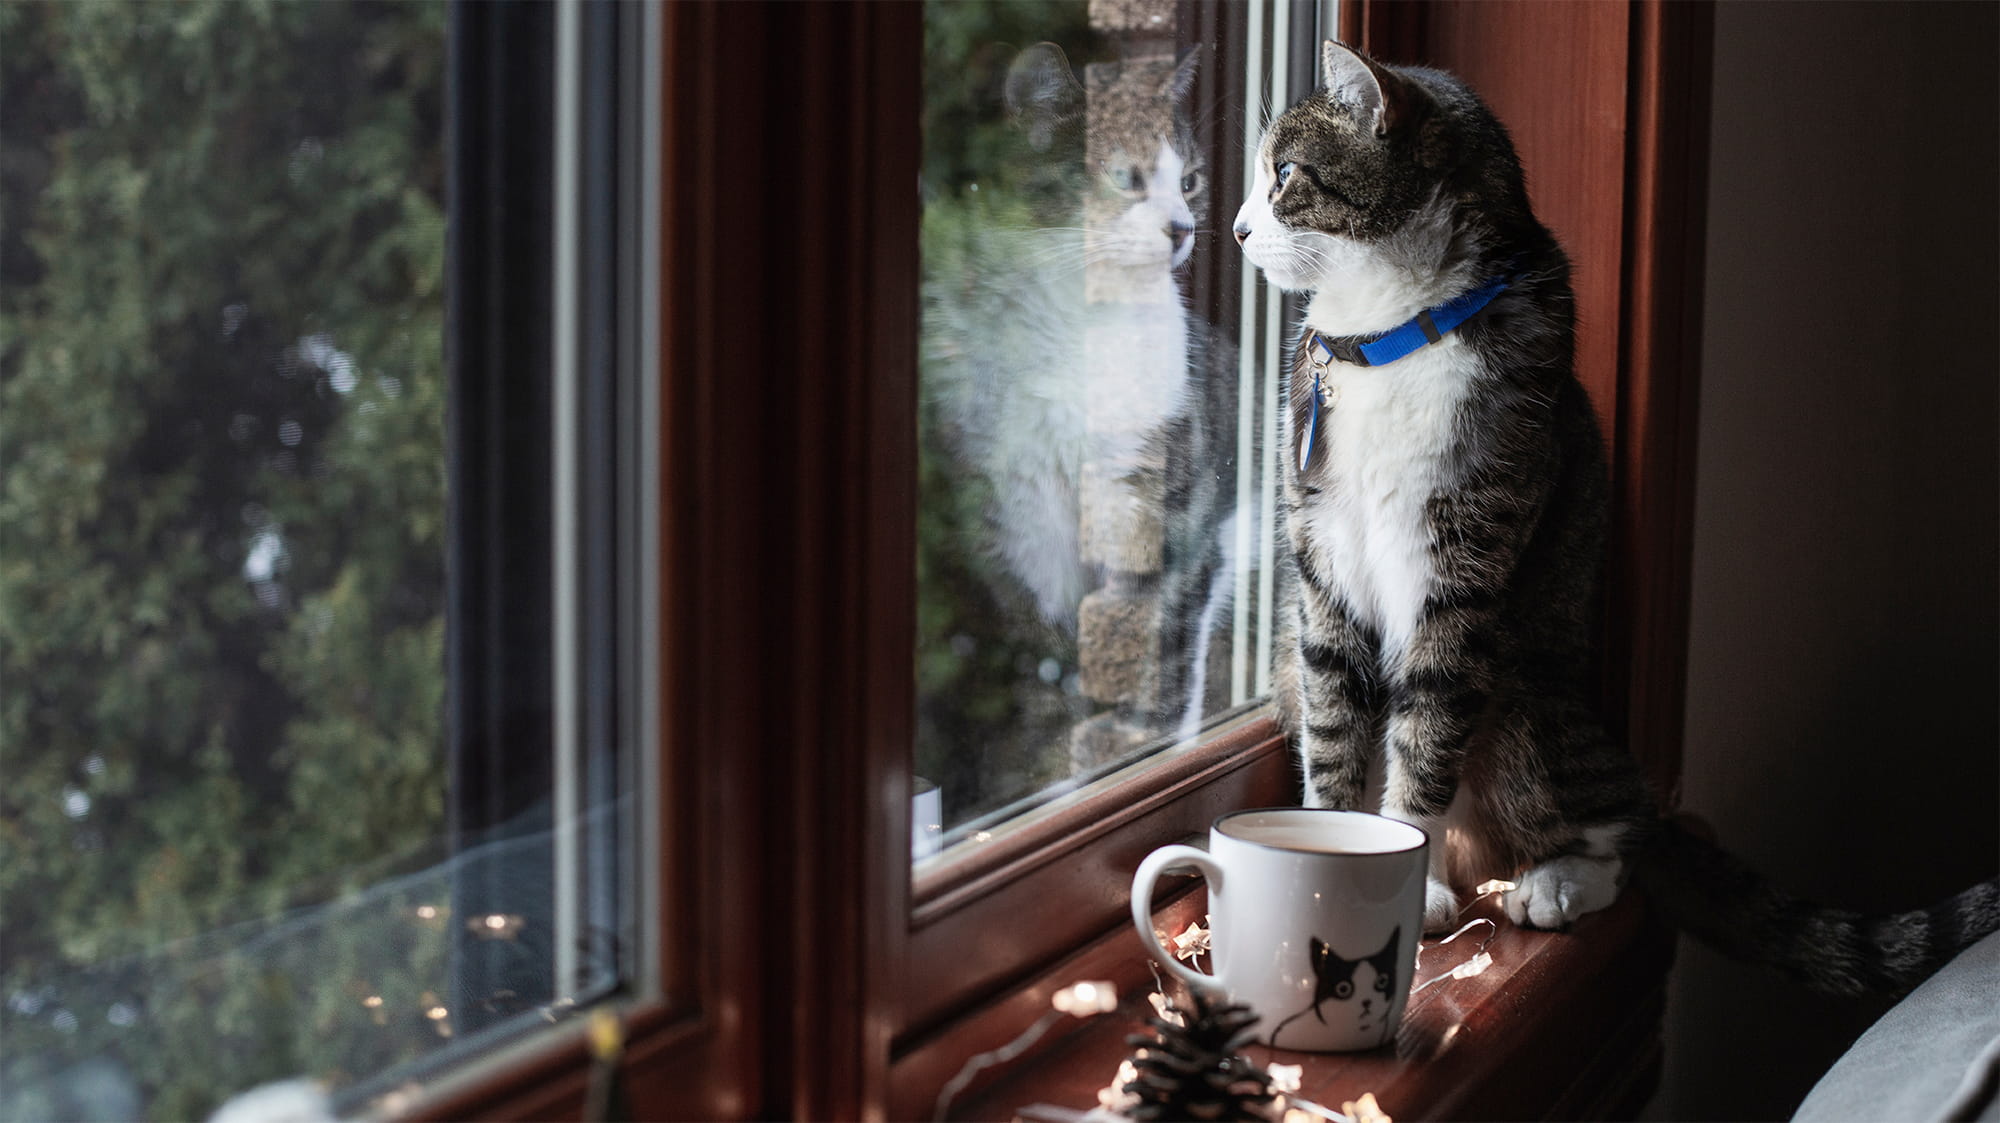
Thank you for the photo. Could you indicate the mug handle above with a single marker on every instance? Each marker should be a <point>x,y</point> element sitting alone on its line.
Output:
<point>1156,863</point>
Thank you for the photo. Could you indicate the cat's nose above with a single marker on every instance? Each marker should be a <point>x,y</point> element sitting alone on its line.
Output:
<point>1178,230</point>
<point>1242,232</point>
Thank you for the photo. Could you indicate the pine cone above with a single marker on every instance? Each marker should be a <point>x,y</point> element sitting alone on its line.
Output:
<point>1194,1071</point>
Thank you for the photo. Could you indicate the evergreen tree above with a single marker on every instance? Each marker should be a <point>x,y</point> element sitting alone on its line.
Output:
<point>221,528</point>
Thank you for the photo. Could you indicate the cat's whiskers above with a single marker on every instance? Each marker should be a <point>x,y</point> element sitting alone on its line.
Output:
<point>1310,258</point>
<point>1313,253</point>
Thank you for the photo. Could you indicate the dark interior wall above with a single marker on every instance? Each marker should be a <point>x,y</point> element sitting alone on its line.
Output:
<point>1843,726</point>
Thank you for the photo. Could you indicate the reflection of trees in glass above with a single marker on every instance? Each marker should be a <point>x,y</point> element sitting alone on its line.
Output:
<point>221,531</point>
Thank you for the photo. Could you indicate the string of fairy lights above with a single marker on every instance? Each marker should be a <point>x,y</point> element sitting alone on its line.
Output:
<point>1091,998</point>
<point>486,926</point>
<point>1084,1000</point>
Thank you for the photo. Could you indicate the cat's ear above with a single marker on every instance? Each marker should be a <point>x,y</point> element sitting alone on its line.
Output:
<point>1319,950</point>
<point>1043,94</point>
<point>1372,94</point>
<point>1182,83</point>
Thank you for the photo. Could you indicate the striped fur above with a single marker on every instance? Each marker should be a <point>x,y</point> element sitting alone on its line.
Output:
<point>1717,898</point>
<point>1442,593</point>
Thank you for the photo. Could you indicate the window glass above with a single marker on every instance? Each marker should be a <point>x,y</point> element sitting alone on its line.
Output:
<point>1091,487</point>
<point>227,848</point>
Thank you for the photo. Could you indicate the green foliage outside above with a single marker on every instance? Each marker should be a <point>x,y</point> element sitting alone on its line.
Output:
<point>222,518</point>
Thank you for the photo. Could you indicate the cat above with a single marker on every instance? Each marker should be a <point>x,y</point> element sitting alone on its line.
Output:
<point>1445,506</point>
<point>1362,988</point>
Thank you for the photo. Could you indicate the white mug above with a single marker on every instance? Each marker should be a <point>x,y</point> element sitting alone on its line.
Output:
<point>1314,919</point>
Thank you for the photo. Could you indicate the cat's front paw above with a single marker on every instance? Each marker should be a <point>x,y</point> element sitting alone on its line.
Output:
<point>1330,795</point>
<point>1440,907</point>
<point>1558,891</point>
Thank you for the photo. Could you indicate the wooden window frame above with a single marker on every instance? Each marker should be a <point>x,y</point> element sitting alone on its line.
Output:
<point>799,975</point>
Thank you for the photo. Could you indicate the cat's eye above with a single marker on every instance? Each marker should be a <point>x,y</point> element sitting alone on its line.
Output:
<point>1343,989</point>
<point>1382,983</point>
<point>1128,178</point>
<point>1190,182</point>
<point>1285,172</point>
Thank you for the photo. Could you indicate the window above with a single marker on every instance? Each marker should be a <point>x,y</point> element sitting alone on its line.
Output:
<point>719,635</point>
<point>328,487</point>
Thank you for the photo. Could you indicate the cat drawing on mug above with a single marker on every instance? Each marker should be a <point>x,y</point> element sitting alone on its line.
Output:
<point>1362,990</point>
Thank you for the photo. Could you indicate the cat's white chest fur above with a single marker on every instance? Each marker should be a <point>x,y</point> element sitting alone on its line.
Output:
<point>1385,441</point>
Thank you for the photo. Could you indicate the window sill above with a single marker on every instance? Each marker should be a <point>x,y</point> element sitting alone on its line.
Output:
<point>982,930</point>
<point>1563,1025</point>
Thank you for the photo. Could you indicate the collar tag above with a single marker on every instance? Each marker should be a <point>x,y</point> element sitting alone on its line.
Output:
<point>1311,438</point>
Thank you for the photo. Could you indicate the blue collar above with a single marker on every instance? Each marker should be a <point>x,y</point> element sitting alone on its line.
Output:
<point>1425,328</point>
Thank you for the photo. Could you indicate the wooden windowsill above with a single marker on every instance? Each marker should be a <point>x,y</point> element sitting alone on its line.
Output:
<point>1563,1025</point>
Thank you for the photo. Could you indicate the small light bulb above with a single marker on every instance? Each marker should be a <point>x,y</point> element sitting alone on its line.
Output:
<point>400,1100</point>
<point>1473,966</point>
<point>1115,1098</point>
<point>1086,998</point>
<point>496,926</point>
<point>1365,1110</point>
<point>1285,1078</point>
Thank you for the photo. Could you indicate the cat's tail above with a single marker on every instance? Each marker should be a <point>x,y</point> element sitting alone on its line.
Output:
<point>1724,903</point>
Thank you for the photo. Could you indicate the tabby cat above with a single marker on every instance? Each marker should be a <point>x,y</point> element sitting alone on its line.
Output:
<point>1445,502</point>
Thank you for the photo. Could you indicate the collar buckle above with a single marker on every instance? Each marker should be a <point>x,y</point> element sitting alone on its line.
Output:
<point>1347,349</point>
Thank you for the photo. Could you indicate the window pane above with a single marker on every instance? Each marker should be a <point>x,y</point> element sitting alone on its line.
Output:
<point>1089,564</point>
<point>228,853</point>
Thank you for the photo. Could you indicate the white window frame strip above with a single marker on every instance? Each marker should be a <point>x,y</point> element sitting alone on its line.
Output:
<point>637,723</point>
<point>1260,357</point>
<point>1246,381</point>
<point>640,829</point>
<point>565,377</point>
